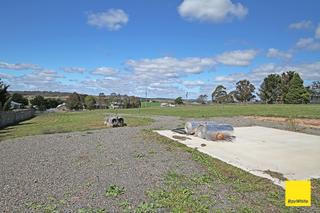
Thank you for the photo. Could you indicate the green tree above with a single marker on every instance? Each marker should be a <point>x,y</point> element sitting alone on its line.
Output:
<point>285,81</point>
<point>135,102</point>
<point>40,102</point>
<point>74,101</point>
<point>101,100</point>
<point>244,91</point>
<point>5,98</point>
<point>297,93</point>
<point>53,102</point>
<point>202,99</point>
<point>178,100</point>
<point>229,98</point>
<point>90,102</point>
<point>16,97</point>
<point>270,89</point>
<point>219,95</point>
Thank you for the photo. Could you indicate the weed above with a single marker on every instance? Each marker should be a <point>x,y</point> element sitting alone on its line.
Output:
<point>292,124</point>
<point>145,208</point>
<point>46,208</point>
<point>202,179</point>
<point>89,184</point>
<point>91,210</point>
<point>114,191</point>
<point>178,199</point>
<point>124,204</point>
<point>152,152</point>
<point>140,155</point>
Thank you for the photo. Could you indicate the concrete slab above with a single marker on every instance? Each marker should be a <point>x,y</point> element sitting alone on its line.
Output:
<point>257,149</point>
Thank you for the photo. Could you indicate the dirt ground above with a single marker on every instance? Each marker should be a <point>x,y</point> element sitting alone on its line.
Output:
<point>313,123</point>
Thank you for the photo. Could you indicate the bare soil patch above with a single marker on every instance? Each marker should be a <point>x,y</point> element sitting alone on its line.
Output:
<point>314,123</point>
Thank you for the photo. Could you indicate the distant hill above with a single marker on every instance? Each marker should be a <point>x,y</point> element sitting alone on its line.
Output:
<point>42,93</point>
<point>64,95</point>
<point>46,94</point>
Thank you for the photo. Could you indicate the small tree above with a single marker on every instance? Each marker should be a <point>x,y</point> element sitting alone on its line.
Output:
<point>74,101</point>
<point>5,98</point>
<point>40,102</point>
<point>270,89</point>
<point>135,102</point>
<point>178,100</point>
<point>219,95</point>
<point>202,99</point>
<point>90,102</point>
<point>53,102</point>
<point>297,93</point>
<point>16,97</point>
<point>244,91</point>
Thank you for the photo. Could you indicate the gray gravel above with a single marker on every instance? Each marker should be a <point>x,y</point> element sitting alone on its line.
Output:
<point>73,170</point>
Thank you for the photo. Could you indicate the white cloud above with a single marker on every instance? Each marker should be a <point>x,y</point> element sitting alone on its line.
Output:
<point>38,80</point>
<point>211,10</point>
<point>308,44</point>
<point>105,71</point>
<point>275,53</point>
<point>40,77</point>
<point>170,67</point>
<point>308,71</point>
<point>18,66</point>
<point>237,57</point>
<point>194,83</point>
<point>317,33</point>
<point>112,19</point>
<point>5,76</point>
<point>162,76</point>
<point>305,24</point>
<point>74,69</point>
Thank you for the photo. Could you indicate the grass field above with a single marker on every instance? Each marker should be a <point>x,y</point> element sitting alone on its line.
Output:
<point>49,123</point>
<point>276,110</point>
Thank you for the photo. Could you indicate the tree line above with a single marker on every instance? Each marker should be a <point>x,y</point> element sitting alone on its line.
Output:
<point>286,88</point>
<point>76,101</point>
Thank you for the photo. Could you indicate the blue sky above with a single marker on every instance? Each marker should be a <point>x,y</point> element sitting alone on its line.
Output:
<point>166,47</point>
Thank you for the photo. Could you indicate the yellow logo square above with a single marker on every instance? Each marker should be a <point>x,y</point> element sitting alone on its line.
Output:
<point>298,192</point>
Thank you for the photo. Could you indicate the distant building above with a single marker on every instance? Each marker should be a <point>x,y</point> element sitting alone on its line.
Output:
<point>62,107</point>
<point>167,105</point>
<point>101,106</point>
<point>15,105</point>
<point>164,104</point>
<point>315,99</point>
<point>116,105</point>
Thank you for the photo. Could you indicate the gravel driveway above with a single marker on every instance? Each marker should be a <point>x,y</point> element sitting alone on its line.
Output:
<point>70,171</point>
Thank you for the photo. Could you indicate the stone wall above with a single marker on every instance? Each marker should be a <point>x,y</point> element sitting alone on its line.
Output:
<point>12,117</point>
